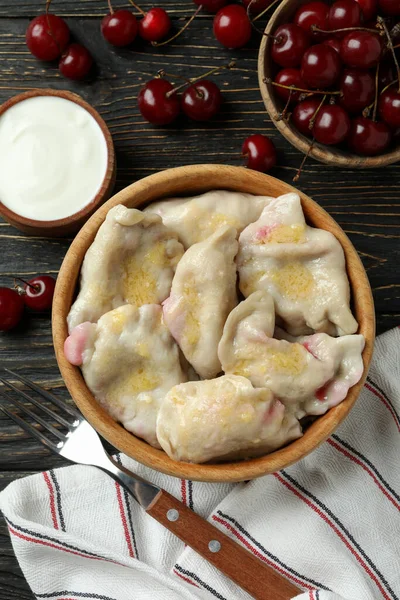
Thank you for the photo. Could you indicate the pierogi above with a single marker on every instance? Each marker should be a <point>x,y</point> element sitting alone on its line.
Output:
<point>223,418</point>
<point>203,294</point>
<point>308,375</point>
<point>195,219</point>
<point>129,362</point>
<point>303,268</point>
<point>132,260</point>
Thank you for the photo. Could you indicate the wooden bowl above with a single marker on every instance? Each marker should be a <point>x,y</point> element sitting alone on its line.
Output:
<point>188,181</point>
<point>329,155</point>
<point>71,224</point>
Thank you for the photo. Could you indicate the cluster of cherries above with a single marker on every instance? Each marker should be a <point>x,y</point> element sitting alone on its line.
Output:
<point>37,294</point>
<point>340,73</point>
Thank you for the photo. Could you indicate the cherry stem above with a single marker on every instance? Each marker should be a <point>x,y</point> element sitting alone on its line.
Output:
<point>191,81</point>
<point>390,44</point>
<point>283,114</point>
<point>135,6</point>
<point>48,2</point>
<point>35,288</point>
<point>344,29</point>
<point>296,89</point>
<point>252,21</point>
<point>110,8</point>
<point>161,73</point>
<point>368,108</point>
<point>194,15</point>
<point>376,92</point>
<point>303,162</point>
<point>265,9</point>
<point>312,120</point>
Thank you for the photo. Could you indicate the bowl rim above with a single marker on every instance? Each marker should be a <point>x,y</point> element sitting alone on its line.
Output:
<point>190,180</point>
<point>109,175</point>
<point>325,154</point>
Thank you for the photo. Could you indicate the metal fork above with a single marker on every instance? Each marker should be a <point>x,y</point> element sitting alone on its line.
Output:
<point>81,444</point>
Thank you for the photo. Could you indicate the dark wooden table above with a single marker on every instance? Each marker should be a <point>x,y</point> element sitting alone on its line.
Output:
<point>365,203</point>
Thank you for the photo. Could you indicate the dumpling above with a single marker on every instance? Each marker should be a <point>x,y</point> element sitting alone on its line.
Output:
<point>132,260</point>
<point>195,219</point>
<point>203,294</point>
<point>223,418</point>
<point>308,375</point>
<point>303,268</point>
<point>129,361</point>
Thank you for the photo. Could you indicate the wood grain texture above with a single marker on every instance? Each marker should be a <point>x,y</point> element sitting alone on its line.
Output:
<point>189,181</point>
<point>258,579</point>
<point>366,203</point>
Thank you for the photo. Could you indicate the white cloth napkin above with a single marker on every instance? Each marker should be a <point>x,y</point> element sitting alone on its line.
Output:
<point>330,523</point>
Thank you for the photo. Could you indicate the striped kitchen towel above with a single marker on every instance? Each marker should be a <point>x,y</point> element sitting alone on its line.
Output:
<point>330,523</point>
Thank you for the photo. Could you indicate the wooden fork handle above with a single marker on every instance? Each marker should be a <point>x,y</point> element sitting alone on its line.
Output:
<point>258,579</point>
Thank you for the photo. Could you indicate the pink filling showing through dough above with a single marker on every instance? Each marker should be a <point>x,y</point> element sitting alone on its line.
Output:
<point>275,409</point>
<point>264,231</point>
<point>74,345</point>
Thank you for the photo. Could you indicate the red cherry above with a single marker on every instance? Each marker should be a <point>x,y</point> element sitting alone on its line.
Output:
<point>232,27</point>
<point>368,137</point>
<point>369,9</point>
<point>361,49</point>
<point>257,6</point>
<point>260,153</point>
<point>320,66</point>
<point>39,292</point>
<point>344,13</point>
<point>390,7</point>
<point>202,100</point>
<point>313,13</point>
<point>333,43</point>
<point>303,113</point>
<point>155,25</point>
<point>289,77</point>
<point>332,125</point>
<point>119,28</point>
<point>11,308</point>
<point>76,62</point>
<point>358,90</point>
<point>289,45</point>
<point>47,37</point>
<point>154,104</point>
<point>389,107</point>
<point>212,6</point>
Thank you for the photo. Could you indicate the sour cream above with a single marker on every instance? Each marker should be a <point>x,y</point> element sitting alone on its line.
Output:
<point>53,158</point>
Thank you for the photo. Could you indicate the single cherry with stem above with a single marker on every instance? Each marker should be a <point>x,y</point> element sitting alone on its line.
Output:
<point>119,27</point>
<point>286,80</point>
<point>343,14</point>
<point>201,100</point>
<point>155,105</point>
<point>259,152</point>
<point>39,292</point>
<point>303,113</point>
<point>47,35</point>
<point>313,13</point>
<point>155,25</point>
<point>320,66</point>
<point>232,26</point>
<point>11,308</point>
<point>358,90</point>
<point>289,44</point>
<point>76,62</point>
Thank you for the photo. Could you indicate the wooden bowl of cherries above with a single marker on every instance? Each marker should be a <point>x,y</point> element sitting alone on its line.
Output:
<point>329,78</point>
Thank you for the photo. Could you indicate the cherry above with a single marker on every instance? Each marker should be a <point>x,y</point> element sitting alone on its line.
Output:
<point>303,113</point>
<point>289,77</point>
<point>390,7</point>
<point>257,6</point>
<point>260,153</point>
<point>361,49</point>
<point>289,44</point>
<point>232,26</point>
<point>313,13</point>
<point>39,292</point>
<point>344,13</point>
<point>212,6</point>
<point>119,28</point>
<point>155,25</point>
<point>332,125</point>
<point>154,104</point>
<point>369,9</point>
<point>333,43</point>
<point>202,100</point>
<point>358,90</point>
<point>389,107</point>
<point>368,137</point>
<point>320,66</point>
<point>11,308</point>
<point>76,62</point>
<point>47,36</point>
